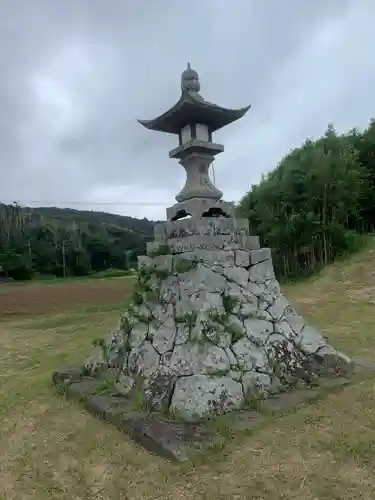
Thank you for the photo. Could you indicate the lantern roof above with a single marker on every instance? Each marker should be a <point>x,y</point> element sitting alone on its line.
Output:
<point>193,108</point>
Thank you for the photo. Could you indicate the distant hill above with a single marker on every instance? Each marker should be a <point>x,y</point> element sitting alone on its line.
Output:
<point>64,241</point>
<point>68,216</point>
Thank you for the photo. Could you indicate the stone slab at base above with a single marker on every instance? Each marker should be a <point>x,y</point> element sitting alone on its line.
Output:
<point>175,440</point>
<point>361,365</point>
<point>287,400</point>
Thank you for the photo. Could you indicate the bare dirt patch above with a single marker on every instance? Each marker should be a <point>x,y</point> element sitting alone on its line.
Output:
<point>30,299</point>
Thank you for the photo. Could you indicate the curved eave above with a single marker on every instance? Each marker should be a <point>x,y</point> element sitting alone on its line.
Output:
<point>189,109</point>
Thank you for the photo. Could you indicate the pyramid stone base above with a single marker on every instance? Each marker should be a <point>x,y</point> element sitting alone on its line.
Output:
<point>208,328</point>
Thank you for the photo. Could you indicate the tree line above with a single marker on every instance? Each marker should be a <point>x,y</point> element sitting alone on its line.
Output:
<point>66,242</point>
<point>318,203</point>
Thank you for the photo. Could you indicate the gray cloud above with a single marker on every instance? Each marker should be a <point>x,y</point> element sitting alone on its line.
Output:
<point>75,76</point>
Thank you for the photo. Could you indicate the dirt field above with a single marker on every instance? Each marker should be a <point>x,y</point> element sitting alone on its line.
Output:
<point>51,448</point>
<point>39,298</point>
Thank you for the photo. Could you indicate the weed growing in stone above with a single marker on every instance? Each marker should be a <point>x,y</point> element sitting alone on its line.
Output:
<point>185,265</point>
<point>126,323</point>
<point>255,401</point>
<point>143,318</point>
<point>163,249</point>
<point>100,342</point>
<point>218,317</point>
<point>189,319</point>
<point>105,387</point>
<point>138,298</point>
<point>222,320</point>
<point>61,390</point>
<point>143,275</point>
<point>137,395</point>
<point>117,362</point>
<point>161,274</point>
<point>152,295</point>
<point>220,426</point>
<point>236,333</point>
<point>219,373</point>
<point>229,303</point>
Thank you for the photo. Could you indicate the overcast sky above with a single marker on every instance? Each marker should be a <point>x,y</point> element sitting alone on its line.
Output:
<point>76,74</point>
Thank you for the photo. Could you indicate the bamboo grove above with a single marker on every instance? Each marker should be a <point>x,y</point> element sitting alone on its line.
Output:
<point>318,203</point>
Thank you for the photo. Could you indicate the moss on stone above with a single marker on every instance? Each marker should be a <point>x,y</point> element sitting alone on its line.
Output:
<point>218,317</point>
<point>105,387</point>
<point>138,298</point>
<point>144,275</point>
<point>162,249</point>
<point>185,265</point>
<point>229,303</point>
<point>161,274</point>
<point>189,318</point>
<point>236,333</point>
<point>219,373</point>
<point>152,296</point>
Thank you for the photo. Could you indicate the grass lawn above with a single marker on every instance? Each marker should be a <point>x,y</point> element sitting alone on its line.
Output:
<point>51,448</point>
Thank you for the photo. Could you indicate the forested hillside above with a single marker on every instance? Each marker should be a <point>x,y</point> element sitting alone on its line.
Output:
<point>318,203</point>
<point>66,242</point>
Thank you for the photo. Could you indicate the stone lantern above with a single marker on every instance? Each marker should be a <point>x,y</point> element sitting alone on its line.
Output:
<point>208,327</point>
<point>194,120</point>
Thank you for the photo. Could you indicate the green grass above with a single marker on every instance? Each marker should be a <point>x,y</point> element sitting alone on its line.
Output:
<point>52,448</point>
<point>48,280</point>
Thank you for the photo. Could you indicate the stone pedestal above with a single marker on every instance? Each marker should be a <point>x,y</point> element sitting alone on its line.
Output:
<point>198,184</point>
<point>209,328</point>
